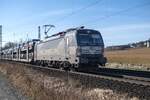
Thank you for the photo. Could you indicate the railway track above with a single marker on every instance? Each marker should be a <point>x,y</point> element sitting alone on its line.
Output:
<point>136,83</point>
<point>129,76</point>
<point>145,81</point>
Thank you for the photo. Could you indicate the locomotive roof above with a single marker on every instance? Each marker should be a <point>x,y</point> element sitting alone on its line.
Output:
<point>61,34</point>
<point>64,32</point>
<point>71,29</point>
<point>78,29</point>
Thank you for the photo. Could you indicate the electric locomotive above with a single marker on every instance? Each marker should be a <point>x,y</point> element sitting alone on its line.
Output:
<point>75,48</point>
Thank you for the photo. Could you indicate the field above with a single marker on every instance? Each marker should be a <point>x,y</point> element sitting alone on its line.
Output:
<point>136,56</point>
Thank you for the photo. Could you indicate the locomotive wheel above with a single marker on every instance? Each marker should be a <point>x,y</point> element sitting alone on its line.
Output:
<point>66,65</point>
<point>61,68</point>
<point>72,69</point>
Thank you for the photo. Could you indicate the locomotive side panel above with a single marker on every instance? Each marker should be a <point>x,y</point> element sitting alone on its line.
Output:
<point>71,46</point>
<point>51,50</point>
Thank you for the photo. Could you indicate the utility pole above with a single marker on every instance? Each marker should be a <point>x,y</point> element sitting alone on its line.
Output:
<point>39,32</point>
<point>14,37</point>
<point>47,28</point>
<point>148,43</point>
<point>0,40</point>
<point>27,37</point>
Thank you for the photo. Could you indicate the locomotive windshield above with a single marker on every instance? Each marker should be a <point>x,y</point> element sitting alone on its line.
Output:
<point>89,37</point>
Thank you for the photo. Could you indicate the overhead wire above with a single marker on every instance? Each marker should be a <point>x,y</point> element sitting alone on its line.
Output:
<point>117,13</point>
<point>78,10</point>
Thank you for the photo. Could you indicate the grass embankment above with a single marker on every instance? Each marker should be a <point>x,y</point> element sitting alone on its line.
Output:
<point>39,86</point>
<point>134,59</point>
<point>130,56</point>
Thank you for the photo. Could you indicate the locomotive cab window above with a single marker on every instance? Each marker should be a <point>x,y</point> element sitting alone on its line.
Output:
<point>85,37</point>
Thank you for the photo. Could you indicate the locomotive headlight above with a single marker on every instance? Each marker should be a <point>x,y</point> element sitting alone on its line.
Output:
<point>102,50</point>
<point>78,51</point>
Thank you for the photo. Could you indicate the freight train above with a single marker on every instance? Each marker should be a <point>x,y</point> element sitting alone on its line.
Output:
<point>73,49</point>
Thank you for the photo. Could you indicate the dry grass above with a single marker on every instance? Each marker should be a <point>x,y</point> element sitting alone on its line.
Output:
<point>38,86</point>
<point>131,56</point>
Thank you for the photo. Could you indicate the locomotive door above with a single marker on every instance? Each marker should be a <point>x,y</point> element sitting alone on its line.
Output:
<point>67,47</point>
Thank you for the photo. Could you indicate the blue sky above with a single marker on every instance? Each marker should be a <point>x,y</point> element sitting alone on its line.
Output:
<point>22,17</point>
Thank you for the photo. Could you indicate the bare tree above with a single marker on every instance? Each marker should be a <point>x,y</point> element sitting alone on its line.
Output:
<point>9,45</point>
